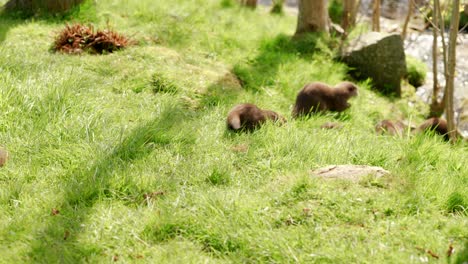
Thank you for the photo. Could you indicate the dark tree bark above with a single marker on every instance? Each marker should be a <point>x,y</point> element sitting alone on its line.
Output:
<point>312,17</point>
<point>50,6</point>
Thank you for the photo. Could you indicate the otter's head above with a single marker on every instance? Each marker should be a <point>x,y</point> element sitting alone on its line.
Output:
<point>348,88</point>
<point>275,117</point>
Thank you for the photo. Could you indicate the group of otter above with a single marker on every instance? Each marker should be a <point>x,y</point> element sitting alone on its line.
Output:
<point>319,97</point>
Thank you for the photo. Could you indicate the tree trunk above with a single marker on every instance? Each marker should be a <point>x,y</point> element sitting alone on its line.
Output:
<point>249,3</point>
<point>312,17</point>
<point>376,16</point>
<point>349,18</point>
<point>408,17</point>
<point>435,107</point>
<point>442,37</point>
<point>449,89</point>
<point>49,6</point>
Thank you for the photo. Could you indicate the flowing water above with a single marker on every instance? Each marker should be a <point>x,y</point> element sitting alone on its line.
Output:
<point>418,44</point>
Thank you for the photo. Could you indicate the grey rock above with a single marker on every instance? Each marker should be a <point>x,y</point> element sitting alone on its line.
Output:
<point>380,57</point>
<point>349,172</point>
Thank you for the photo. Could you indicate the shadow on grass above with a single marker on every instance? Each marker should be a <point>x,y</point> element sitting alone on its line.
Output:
<point>224,91</point>
<point>85,12</point>
<point>57,241</point>
<point>262,70</point>
<point>7,22</point>
<point>462,256</point>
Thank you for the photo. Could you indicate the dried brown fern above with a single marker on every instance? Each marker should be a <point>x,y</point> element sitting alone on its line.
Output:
<point>108,41</point>
<point>77,38</point>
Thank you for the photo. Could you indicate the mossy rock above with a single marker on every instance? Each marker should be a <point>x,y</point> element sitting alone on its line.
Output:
<point>378,56</point>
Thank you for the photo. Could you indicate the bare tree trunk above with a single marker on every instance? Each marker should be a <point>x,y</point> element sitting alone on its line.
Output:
<point>249,3</point>
<point>408,17</point>
<point>442,36</point>
<point>312,17</point>
<point>376,16</point>
<point>435,108</point>
<point>449,89</point>
<point>444,55</point>
<point>51,6</point>
<point>348,19</point>
<point>355,11</point>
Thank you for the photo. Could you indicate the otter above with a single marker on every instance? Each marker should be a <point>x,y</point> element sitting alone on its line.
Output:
<point>318,96</point>
<point>436,124</point>
<point>394,128</point>
<point>249,117</point>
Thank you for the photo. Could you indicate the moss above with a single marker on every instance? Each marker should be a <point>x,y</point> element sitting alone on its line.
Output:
<point>277,7</point>
<point>227,3</point>
<point>463,21</point>
<point>456,203</point>
<point>335,11</point>
<point>416,71</point>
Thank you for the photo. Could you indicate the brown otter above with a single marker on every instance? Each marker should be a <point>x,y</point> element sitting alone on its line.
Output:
<point>249,117</point>
<point>436,124</point>
<point>394,128</point>
<point>318,96</point>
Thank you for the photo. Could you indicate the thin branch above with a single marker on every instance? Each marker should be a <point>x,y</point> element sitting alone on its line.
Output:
<point>407,19</point>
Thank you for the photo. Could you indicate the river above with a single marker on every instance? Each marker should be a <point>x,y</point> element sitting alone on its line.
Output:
<point>417,44</point>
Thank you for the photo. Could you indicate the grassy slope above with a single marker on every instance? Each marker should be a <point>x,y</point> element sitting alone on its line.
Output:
<point>88,136</point>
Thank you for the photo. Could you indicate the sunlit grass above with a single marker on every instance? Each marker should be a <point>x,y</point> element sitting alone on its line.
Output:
<point>132,150</point>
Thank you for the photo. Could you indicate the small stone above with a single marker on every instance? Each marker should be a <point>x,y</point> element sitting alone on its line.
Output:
<point>240,148</point>
<point>3,157</point>
<point>54,211</point>
<point>331,125</point>
<point>349,172</point>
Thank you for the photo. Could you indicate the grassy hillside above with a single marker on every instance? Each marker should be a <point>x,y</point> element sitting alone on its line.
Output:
<point>125,157</point>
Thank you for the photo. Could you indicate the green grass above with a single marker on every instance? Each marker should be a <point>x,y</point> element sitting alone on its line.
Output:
<point>416,71</point>
<point>131,148</point>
